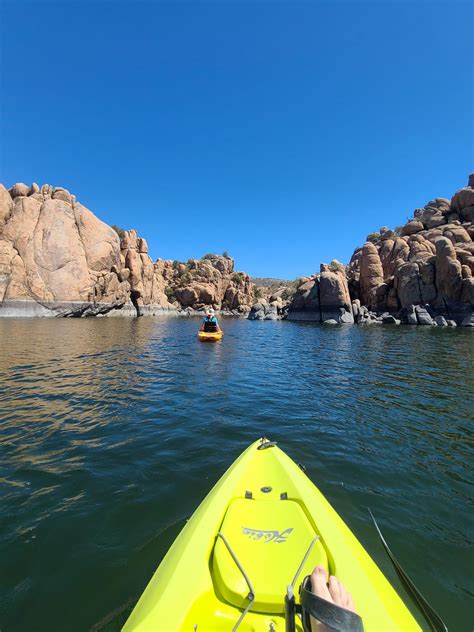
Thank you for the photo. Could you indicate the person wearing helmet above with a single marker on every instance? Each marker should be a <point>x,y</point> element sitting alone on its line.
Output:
<point>210,324</point>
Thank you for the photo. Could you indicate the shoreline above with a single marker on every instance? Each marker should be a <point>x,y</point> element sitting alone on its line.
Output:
<point>455,316</point>
<point>420,273</point>
<point>87,309</point>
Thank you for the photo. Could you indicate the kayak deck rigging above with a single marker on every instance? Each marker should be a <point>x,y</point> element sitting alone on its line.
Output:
<point>279,548</point>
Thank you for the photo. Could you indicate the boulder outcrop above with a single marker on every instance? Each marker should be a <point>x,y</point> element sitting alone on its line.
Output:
<point>427,262</point>
<point>324,296</point>
<point>210,281</point>
<point>146,279</point>
<point>371,275</point>
<point>56,257</point>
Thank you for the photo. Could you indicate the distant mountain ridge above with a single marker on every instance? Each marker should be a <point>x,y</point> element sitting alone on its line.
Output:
<point>271,282</point>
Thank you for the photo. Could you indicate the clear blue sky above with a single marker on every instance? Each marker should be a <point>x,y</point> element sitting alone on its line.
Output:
<point>283,132</point>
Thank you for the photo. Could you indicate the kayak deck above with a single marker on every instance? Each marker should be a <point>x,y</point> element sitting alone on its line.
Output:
<point>258,549</point>
<point>268,512</point>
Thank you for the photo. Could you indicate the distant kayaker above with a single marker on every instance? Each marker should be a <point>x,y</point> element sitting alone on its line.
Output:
<point>210,323</point>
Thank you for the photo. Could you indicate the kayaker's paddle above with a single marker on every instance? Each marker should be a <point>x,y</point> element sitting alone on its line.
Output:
<point>435,621</point>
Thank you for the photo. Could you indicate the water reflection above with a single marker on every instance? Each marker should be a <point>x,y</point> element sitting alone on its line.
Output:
<point>112,431</point>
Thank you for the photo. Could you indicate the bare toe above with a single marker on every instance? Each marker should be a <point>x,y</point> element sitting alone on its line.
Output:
<point>350,603</point>
<point>334,593</point>
<point>319,587</point>
<point>319,583</point>
<point>335,590</point>
<point>344,595</point>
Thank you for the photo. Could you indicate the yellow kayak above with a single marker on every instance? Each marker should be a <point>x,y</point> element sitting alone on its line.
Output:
<point>231,565</point>
<point>210,336</point>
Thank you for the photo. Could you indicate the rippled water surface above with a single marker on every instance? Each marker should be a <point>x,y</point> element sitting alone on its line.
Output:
<point>113,430</point>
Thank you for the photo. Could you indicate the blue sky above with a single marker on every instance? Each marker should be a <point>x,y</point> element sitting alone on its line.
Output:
<point>283,132</point>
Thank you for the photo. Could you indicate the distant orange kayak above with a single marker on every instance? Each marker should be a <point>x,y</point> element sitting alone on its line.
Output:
<point>210,336</point>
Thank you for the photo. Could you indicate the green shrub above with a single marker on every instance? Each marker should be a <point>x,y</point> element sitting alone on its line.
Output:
<point>171,296</point>
<point>238,278</point>
<point>287,293</point>
<point>185,278</point>
<point>373,236</point>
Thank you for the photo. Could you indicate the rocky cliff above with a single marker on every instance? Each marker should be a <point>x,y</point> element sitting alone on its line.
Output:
<point>211,280</point>
<point>324,296</point>
<point>413,273</point>
<point>273,298</point>
<point>58,259</point>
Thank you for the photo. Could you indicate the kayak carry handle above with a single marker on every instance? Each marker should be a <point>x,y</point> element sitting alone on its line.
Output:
<point>266,443</point>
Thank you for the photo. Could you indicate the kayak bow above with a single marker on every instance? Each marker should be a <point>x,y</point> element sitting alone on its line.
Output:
<point>263,522</point>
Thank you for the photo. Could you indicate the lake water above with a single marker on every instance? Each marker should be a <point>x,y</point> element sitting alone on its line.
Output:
<point>113,430</point>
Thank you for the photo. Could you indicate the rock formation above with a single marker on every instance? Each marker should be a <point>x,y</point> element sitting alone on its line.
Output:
<point>58,259</point>
<point>146,279</point>
<point>427,263</point>
<point>210,281</point>
<point>371,275</point>
<point>324,296</point>
<point>274,297</point>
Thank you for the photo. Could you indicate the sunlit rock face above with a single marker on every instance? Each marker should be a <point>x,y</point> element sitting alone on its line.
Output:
<point>58,259</point>
<point>209,281</point>
<point>56,256</point>
<point>429,261</point>
<point>147,283</point>
<point>323,297</point>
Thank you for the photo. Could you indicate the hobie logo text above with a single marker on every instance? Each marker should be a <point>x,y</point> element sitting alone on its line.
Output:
<point>267,536</point>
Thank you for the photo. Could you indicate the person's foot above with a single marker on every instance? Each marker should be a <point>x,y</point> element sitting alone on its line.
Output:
<point>332,591</point>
